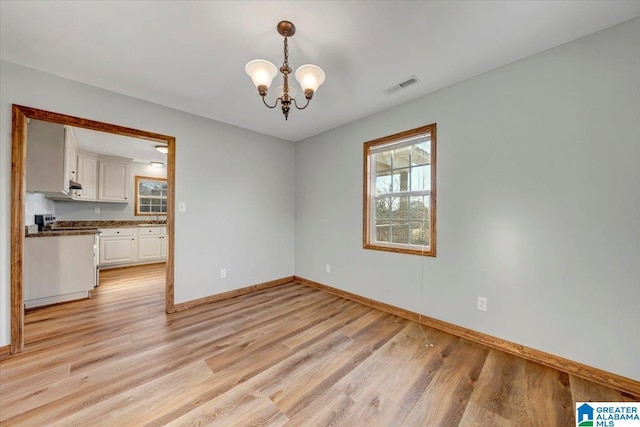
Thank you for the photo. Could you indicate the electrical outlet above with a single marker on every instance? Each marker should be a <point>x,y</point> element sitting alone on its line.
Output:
<point>327,268</point>
<point>96,210</point>
<point>482,304</point>
<point>223,273</point>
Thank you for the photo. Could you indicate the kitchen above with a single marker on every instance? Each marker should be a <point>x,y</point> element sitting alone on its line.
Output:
<point>94,201</point>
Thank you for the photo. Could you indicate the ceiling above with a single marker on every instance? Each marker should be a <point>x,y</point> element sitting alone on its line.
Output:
<point>137,149</point>
<point>190,55</point>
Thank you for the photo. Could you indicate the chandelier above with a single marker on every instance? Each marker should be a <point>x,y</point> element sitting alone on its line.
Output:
<point>263,72</point>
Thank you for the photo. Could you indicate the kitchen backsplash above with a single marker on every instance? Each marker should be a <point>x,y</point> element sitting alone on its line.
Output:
<point>37,204</point>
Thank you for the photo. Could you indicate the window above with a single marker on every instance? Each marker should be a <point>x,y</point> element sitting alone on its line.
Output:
<point>151,195</point>
<point>400,192</point>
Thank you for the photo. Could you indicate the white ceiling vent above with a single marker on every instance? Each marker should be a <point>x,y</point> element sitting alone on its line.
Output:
<point>402,85</point>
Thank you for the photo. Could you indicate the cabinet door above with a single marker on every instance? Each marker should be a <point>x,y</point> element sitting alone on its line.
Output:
<point>113,182</point>
<point>149,247</point>
<point>87,176</point>
<point>117,250</point>
<point>72,160</point>
<point>46,157</point>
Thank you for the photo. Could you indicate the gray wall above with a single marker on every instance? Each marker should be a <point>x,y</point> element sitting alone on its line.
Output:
<point>538,204</point>
<point>238,185</point>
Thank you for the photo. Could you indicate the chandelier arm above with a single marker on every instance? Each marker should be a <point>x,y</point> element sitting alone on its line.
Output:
<point>275,104</point>
<point>300,108</point>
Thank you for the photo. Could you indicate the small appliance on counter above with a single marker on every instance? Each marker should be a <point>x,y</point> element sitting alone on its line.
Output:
<point>44,221</point>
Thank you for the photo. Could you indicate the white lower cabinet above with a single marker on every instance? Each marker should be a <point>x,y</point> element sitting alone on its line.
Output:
<point>127,246</point>
<point>118,246</point>
<point>152,243</point>
<point>58,269</point>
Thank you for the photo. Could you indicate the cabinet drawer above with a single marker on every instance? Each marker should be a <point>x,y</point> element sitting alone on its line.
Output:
<point>108,232</point>
<point>151,231</point>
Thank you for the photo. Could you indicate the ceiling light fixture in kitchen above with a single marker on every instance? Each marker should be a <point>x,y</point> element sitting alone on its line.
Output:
<point>263,72</point>
<point>157,164</point>
<point>162,148</point>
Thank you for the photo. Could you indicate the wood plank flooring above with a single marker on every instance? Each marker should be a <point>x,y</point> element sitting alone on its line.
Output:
<point>289,355</point>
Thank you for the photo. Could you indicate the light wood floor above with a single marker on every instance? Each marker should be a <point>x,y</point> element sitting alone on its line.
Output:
<point>290,355</point>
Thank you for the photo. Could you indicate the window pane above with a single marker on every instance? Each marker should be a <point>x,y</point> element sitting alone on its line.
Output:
<point>399,232</point>
<point>145,201</point>
<point>401,180</point>
<point>401,157</point>
<point>399,207</point>
<point>420,178</point>
<point>382,231</point>
<point>418,209</point>
<point>144,188</point>
<point>383,161</point>
<point>421,152</point>
<point>420,233</point>
<point>383,208</point>
<point>383,183</point>
<point>145,208</point>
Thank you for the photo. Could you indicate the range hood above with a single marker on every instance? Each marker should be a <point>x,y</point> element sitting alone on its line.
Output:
<point>68,196</point>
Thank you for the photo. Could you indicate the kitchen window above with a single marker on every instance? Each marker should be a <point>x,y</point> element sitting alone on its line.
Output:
<point>151,195</point>
<point>400,192</point>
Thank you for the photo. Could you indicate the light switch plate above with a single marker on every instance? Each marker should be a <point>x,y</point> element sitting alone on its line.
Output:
<point>182,207</point>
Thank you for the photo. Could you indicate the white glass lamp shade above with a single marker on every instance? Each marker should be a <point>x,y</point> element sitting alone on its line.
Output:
<point>261,72</point>
<point>310,77</point>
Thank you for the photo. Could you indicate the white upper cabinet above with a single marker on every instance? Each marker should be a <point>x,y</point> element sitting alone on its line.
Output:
<point>48,158</point>
<point>71,149</point>
<point>87,176</point>
<point>113,179</point>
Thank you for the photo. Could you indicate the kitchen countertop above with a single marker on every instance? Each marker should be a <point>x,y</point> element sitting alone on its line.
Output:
<point>108,224</point>
<point>81,228</point>
<point>58,233</point>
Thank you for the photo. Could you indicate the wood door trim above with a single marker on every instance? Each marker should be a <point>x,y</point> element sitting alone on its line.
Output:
<point>18,188</point>
<point>590,373</point>
<point>5,351</point>
<point>20,114</point>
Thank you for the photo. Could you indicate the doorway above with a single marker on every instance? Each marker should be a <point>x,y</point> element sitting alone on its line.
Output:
<point>18,191</point>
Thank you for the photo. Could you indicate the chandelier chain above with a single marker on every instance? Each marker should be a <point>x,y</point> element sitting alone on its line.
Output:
<point>286,53</point>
